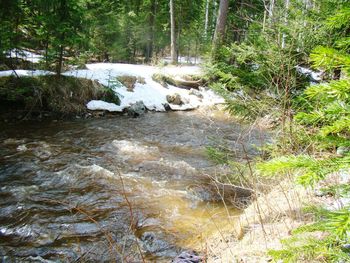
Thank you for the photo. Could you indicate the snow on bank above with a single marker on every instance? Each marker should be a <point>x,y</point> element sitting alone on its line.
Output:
<point>102,105</point>
<point>25,73</point>
<point>25,55</point>
<point>151,93</point>
<point>315,76</point>
<point>184,60</point>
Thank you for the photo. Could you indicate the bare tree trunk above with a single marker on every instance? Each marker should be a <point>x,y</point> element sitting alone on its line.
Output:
<point>173,35</point>
<point>206,19</point>
<point>60,61</point>
<point>221,21</point>
<point>271,9</point>
<point>214,18</point>
<point>149,52</point>
<point>264,21</point>
<point>62,13</point>
<point>284,36</point>
<point>307,5</point>
<point>220,26</point>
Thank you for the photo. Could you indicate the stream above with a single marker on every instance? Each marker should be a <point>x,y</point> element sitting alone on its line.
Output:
<point>107,189</point>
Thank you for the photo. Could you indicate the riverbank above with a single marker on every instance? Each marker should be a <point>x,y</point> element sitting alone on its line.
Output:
<point>104,88</point>
<point>49,97</point>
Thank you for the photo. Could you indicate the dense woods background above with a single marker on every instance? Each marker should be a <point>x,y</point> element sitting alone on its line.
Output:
<point>139,31</point>
<point>288,60</point>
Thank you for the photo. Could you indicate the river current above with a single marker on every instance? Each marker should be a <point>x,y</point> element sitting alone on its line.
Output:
<point>115,189</point>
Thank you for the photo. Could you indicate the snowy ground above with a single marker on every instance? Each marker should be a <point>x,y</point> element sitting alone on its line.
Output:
<point>26,55</point>
<point>151,93</point>
<point>184,60</point>
<point>314,76</point>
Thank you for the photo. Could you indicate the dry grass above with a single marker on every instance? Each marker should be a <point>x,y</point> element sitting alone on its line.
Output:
<point>261,226</point>
<point>130,81</point>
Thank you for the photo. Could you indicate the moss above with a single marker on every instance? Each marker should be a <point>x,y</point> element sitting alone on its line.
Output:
<point>63,95</point>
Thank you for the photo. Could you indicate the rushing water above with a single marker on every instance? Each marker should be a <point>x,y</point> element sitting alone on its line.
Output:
<point>105,189</point>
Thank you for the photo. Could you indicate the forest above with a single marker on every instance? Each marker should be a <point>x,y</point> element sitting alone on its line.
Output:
<point>280,69</point>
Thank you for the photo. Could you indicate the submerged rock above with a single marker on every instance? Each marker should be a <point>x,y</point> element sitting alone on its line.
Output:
<point>22,148</point>
<point>43,151</point>
<point>155,243</point>
<point>217,192</point>
<point>137,109</point>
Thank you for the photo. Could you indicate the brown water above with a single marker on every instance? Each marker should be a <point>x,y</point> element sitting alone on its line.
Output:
<point>71,190</point>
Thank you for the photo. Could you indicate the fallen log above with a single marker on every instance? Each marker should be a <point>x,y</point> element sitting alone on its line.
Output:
<point>177,82</point>
<point>187,84</point>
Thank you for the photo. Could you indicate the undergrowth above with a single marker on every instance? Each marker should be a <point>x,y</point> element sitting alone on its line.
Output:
<point>312,141</point>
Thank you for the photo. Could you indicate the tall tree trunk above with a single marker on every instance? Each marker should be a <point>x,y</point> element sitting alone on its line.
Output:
<point>221,21</point>
<point>214,17</point>
<point>60,60</point>
<point>173,34</point>
<point>220,26</point>
<point>271,9</point>
<point>206,19</point>
<point>284,36</point>
<point>47,42</point>
<point>179,29</point>
<point>63,14</point>
<point>152,17</point>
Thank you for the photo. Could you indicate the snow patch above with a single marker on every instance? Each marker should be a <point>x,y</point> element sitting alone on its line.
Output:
<point>315,76</point>
<point>102,105</point>
<point>25,55</point>
<point>184,60</point>
<point>25,73</point>
<point>151,93</point>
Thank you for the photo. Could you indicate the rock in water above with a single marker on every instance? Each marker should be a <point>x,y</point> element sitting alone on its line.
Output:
<point>137,109</point>
<point>174,99</point>
<point>188,257</point>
